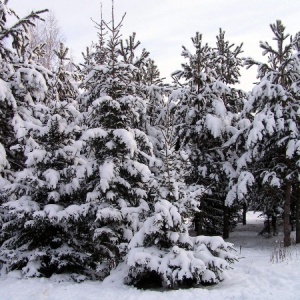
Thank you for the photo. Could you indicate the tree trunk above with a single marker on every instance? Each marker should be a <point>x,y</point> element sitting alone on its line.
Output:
<point>199,223</point>
<point>286,216</point>
<point>297,214</point>
<point>244,213</point>
<point>226,222</point>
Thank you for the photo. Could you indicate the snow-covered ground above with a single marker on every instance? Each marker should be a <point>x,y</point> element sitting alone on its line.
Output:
<point>265,271</point>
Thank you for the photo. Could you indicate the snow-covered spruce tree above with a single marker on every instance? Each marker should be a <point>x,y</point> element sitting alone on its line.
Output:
<point>148,83</point>
<point>118,150</point>
<point>18,92</point>
<point>156,94</point>
<point>204,116</point>
<point>271,148</point>
<point>4,165</point>
<point>6,101</point>
<point>47,232</point>
<point>115,57</point>
<point>15,81</point>
<point>162,253</point>
<point>32,86</point>
<point>94,55</point>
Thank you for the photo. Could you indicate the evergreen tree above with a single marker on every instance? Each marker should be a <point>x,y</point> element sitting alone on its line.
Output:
<point>16,81</point>
<point>205,113</point>
<point>270,141</point>
<point>118,150</point>
<point>66,83</point>
<point>21,88</point>
<point>46,234</point>
<point>43,233</point>
<point>162,253</point>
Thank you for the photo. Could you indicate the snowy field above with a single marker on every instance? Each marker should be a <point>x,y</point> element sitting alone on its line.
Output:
<point>265,271</point>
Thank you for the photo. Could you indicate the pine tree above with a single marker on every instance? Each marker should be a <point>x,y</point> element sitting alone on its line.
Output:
<point>227,64</point>
<point>270,155</point>
<point>205,113</point>
<point>162,253</point>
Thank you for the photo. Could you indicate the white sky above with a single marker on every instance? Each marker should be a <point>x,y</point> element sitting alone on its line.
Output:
<point>163,26</point>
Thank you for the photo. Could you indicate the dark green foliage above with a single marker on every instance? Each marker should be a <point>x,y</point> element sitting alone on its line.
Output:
<point>205,114</point>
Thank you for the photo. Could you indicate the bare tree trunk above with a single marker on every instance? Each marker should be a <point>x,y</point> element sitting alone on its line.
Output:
<point>244,213</point>
<point>286,216</point>
<point>297,214</point>
<point>226,222</point>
